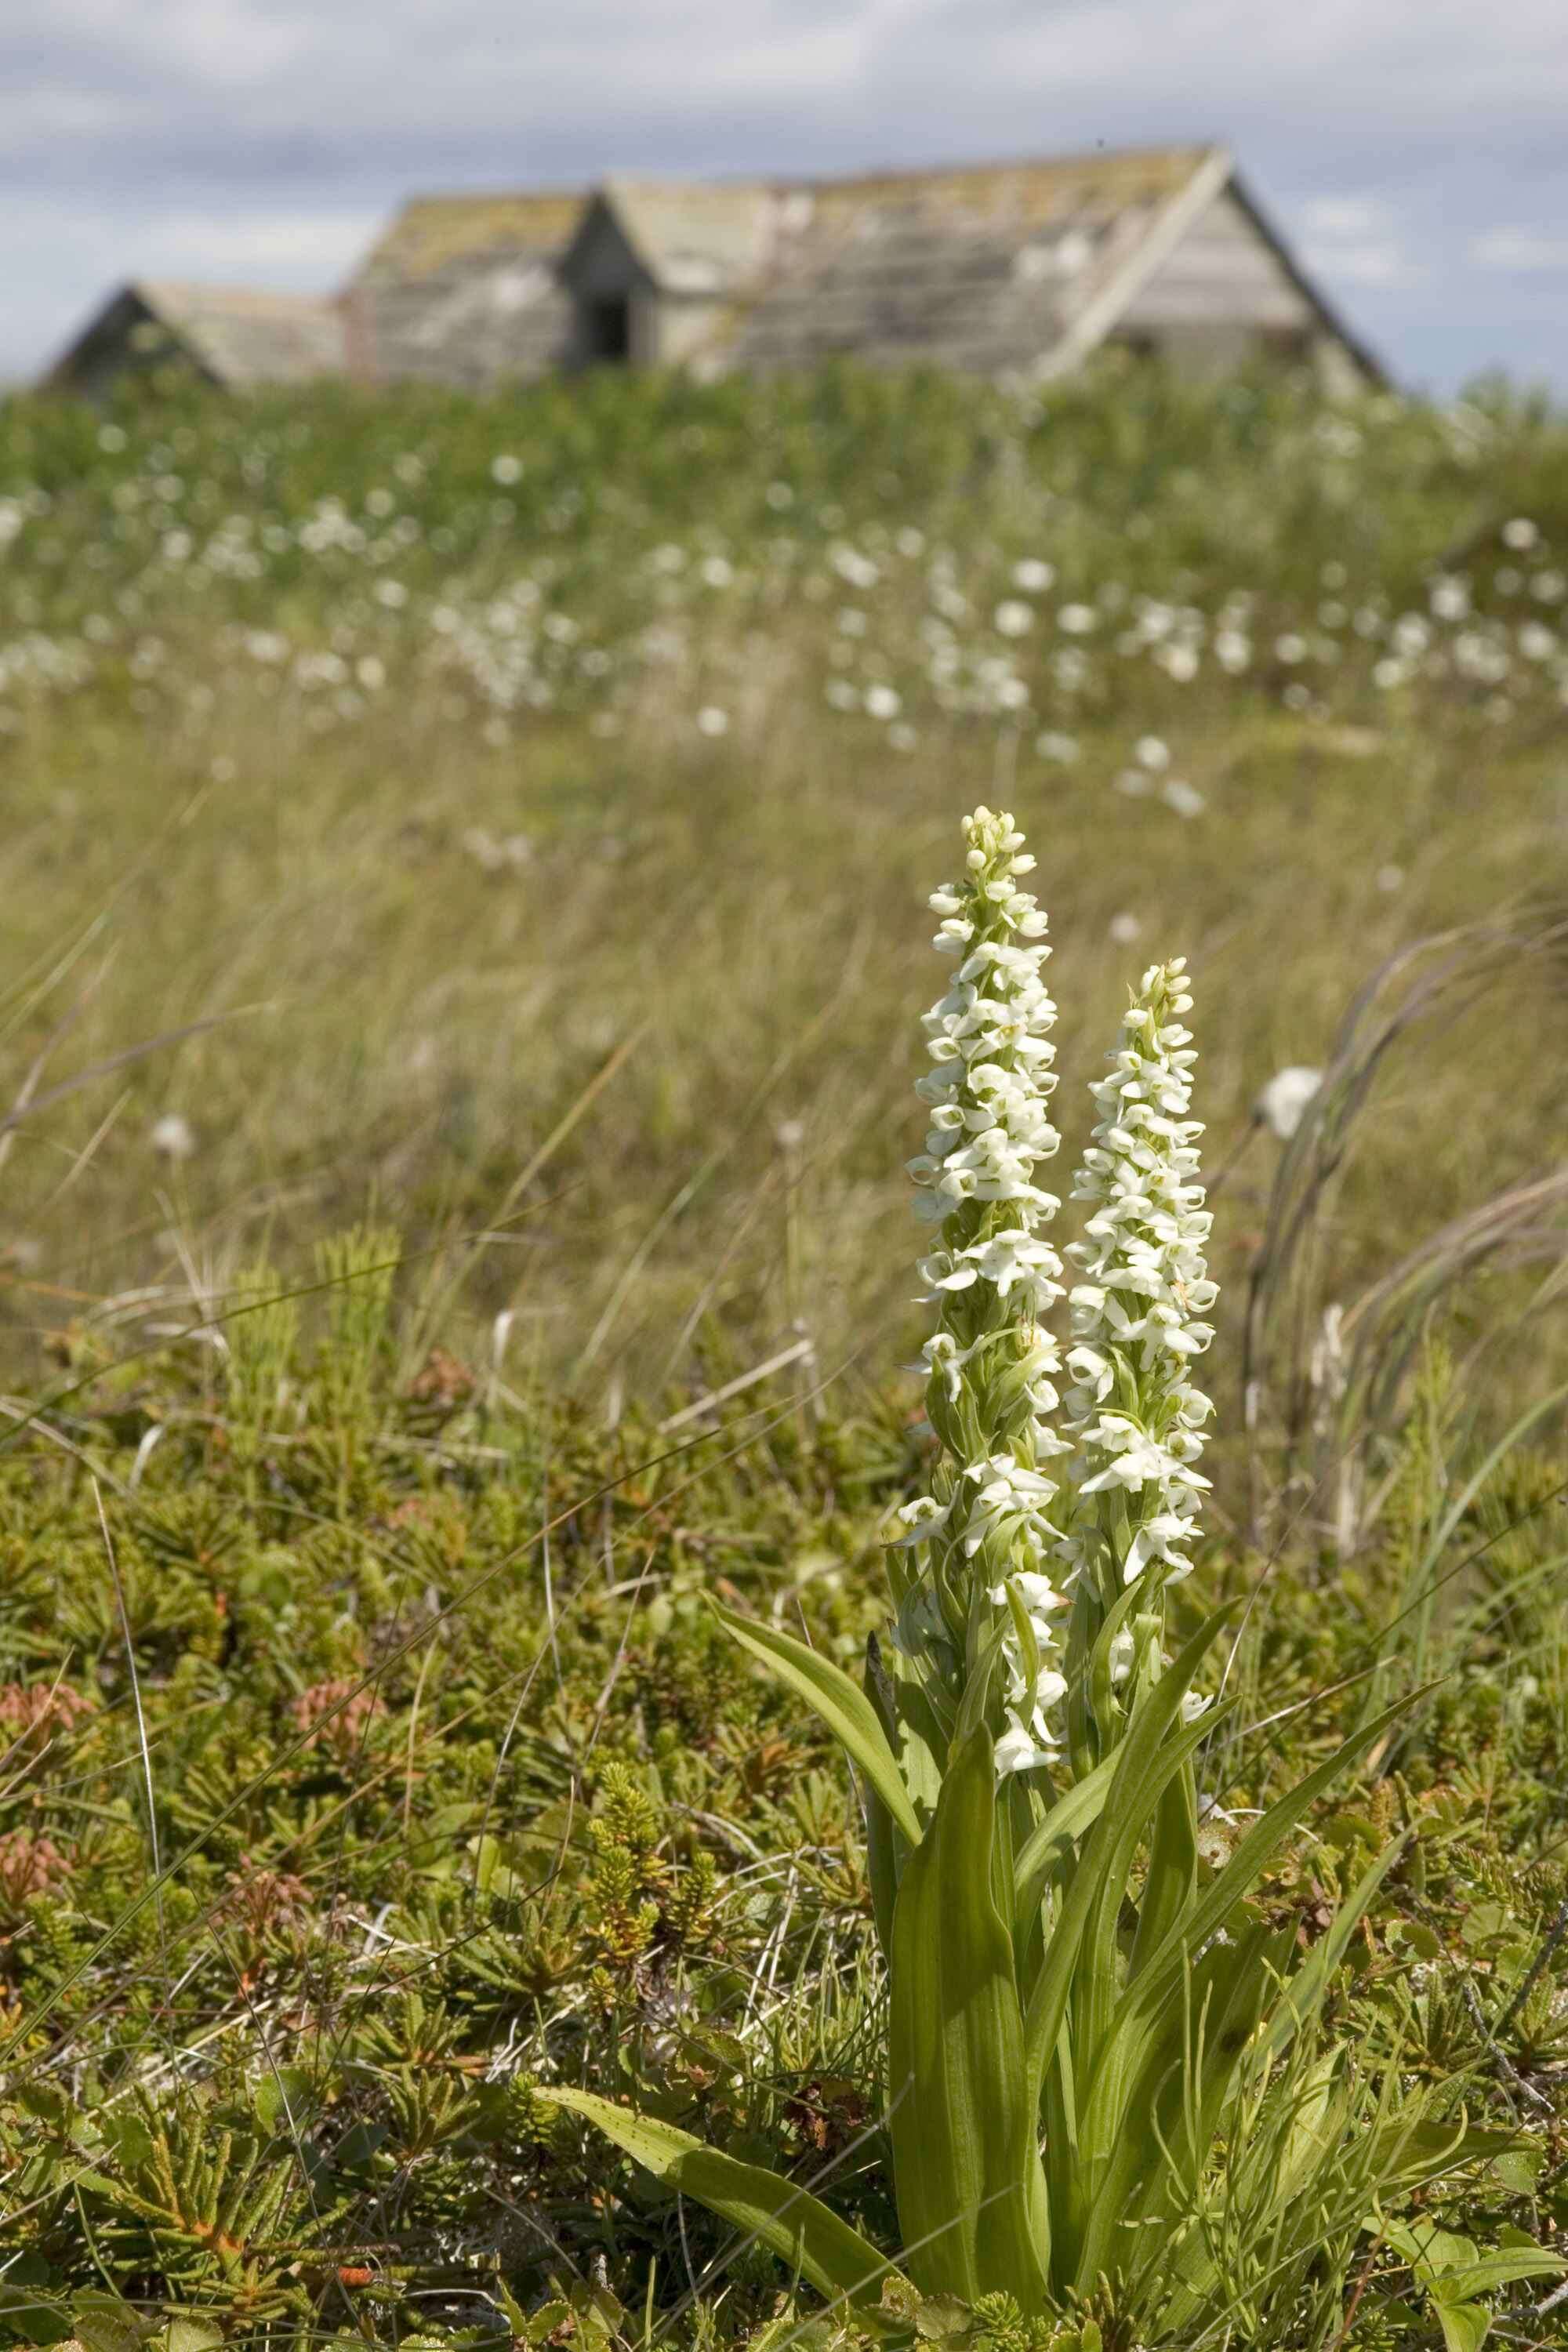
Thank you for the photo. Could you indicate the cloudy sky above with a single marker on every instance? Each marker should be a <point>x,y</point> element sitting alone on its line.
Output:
<point>1415,150</point>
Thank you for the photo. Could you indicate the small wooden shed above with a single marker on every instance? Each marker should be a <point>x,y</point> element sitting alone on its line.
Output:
<point>229,335</point>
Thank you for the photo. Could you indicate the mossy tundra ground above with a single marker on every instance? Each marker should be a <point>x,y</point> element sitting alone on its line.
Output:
<point>534,798</point>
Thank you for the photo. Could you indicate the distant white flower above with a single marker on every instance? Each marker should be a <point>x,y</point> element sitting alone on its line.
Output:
<point>1389,878</point>
<point>1052,745</point>
<point>1032,576</point>
<point>716,570</point>
<point>883,702</point>
<point>173,1137</point>
<point>1450,598</point>
<point>712,720</point>
<point>1520,534</point>
<point>1125,929</point>
<point>1184,798</point>
<point>1281,1104</point>
<point>901,736</point>
<point>506,470</point>
<point>1153,752</point>
<point>1013,618</point>
<point>1077,620</point>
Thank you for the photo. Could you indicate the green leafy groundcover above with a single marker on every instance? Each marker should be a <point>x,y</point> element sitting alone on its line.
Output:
<point>378,1771</point>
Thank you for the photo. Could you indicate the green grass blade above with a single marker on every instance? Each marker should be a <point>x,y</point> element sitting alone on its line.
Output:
<point>843,1706</point>
<point>1304,1995</point>
<point>1217,1900</point>
<point>791,2221</point>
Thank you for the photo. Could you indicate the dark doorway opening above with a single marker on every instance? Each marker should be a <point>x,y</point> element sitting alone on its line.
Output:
<point>608,329</point>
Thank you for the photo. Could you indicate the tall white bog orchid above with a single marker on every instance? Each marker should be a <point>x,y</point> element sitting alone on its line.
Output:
<point>1135,1419</point>
<point>978,1546</point>
<point>1056,1954</point>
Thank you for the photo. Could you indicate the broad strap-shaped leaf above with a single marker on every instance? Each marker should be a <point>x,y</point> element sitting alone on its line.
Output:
<point>962,2118</point>
<point>1142,2018</point>
<point>1144,1763</point>
<point>842,1706</point>
<point>1169,2119</point>
<point>1043,1853</point>
<point>796,2226</point>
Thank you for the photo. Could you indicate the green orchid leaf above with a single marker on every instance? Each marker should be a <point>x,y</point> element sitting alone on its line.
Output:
<point>845,1709</point>
<point>962,2121</point>
<point>1144,1763</point>
<point>1042,1854</point>
<point>796,2225</point>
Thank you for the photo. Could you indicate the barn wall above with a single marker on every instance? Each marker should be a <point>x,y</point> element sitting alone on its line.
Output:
<point>1222,275</point>
<point>483,318</point>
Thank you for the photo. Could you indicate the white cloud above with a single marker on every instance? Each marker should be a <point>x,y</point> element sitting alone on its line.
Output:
<point>1373,261</point>
<point>1520,250</point>
<point>1354,219</point>
<point>318,247</point>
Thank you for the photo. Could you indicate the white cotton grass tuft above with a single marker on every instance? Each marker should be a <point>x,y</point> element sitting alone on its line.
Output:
<point>173,1137</point>
<point>1281,1104</point>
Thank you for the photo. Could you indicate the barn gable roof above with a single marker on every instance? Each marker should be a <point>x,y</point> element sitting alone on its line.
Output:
<point>1027,264</point>
<point>432,234</point>
<point>235,334</point>
<point>688,236</point>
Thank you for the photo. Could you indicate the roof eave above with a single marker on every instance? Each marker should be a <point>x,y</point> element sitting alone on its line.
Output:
<point>1365,358</point>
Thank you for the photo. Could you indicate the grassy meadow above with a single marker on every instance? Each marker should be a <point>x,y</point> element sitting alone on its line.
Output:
<point>464,866</point>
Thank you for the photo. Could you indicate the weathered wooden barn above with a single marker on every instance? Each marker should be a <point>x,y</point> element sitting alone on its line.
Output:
<point>1018,270</point>
<point>228,335</point>
<point>1013,269</point>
